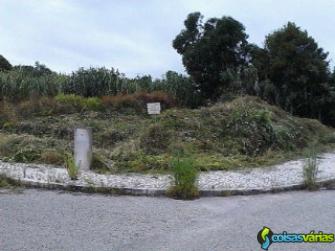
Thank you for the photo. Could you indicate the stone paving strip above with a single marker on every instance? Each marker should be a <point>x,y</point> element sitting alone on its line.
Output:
<point>286,176</point>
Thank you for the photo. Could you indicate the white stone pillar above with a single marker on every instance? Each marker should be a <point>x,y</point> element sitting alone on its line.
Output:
<point>83,148</point>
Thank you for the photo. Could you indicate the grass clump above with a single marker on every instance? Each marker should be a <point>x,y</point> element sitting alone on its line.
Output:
<point>185,179</point>
<point>7,182</point>
<point>3,182</point>
<point>310,171</point>
<point>71,167</point>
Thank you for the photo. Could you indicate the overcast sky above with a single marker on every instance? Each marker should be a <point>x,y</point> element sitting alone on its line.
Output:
<point>135,36</point>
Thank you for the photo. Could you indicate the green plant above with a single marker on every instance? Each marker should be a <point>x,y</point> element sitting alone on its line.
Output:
<point>71,167</point>
<point>3,182</point>
<point>71,100</point>
<point>93,104</point>
<point>310,171</point>
<point>185,178</point>
<point>6,182</point>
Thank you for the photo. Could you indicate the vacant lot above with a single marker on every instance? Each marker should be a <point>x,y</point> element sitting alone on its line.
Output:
<point>239,133</point>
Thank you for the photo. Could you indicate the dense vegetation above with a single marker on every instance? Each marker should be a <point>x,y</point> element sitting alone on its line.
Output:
<point>291,71</point>
<point>212,115</point>
<point>244,132</point>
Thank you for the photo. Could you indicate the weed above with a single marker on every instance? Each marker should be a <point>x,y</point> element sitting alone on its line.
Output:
<point>310,171</point>
<point>71,167</point>
<point>185,178</point>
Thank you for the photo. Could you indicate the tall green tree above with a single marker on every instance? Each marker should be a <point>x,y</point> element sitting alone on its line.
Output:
<point>212,51</point>
<point>299,70</point>
<point>4,64</point>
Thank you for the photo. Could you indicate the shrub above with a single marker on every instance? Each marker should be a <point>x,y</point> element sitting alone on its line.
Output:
<point>156,96</point>
<point>185,177</point>
<point>71,167</point>
<point>310,171</point>
<point>120,102</point>
<point>253,127</point>
<point>92,104</point>
<point>72,101</point>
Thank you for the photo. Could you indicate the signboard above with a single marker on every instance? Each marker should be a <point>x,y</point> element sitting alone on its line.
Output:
<point>154,108</point>
<point>83,148</point>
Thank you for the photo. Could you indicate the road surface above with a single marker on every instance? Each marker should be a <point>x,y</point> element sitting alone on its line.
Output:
<point>53,220</point>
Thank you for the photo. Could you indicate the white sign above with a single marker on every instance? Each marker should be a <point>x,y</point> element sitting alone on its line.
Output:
<point>154,108</point>
<point>83,148</point>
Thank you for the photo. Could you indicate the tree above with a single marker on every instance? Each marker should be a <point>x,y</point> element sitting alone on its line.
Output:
<point>182,88</point>
<point>332,79</point>
<point>37,70</point>
<point>211,51</point>
<point>298,69</point>
<point>4,64</point>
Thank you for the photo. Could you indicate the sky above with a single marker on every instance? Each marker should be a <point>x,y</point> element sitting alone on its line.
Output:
<point>135,36</point>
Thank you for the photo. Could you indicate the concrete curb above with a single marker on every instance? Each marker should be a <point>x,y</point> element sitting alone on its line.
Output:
<point>279,178</point>
<point>162,192</point>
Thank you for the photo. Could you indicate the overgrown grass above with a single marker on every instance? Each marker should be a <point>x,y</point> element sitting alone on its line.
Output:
<point>71,167</point>
<point>311,171</point>
<point>185,179</point>
<point>245,132</point>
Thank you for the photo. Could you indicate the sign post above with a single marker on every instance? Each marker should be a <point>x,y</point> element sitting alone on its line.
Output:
<point>154,108</point>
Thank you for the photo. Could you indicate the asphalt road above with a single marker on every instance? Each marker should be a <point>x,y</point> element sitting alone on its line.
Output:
<point>49,220</point>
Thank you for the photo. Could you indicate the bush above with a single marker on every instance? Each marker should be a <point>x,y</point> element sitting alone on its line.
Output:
<point>74,103</point>
<point>156,96</point>
<point>185,177</point>
<point>120,102</point>
<point>93,104</point>
<point>253,127</point>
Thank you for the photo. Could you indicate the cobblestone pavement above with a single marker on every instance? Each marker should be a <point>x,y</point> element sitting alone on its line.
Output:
<point>279,177</point>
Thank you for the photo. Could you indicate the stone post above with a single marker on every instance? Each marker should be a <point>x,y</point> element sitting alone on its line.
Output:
<point>83,148</point>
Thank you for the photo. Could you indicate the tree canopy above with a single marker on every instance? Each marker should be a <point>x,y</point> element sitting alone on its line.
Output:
<point>4,64</point>
<point>211,51</point>
<point>298,68</point>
